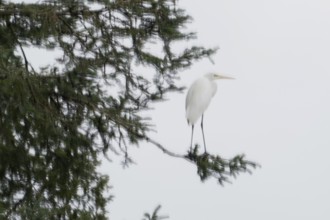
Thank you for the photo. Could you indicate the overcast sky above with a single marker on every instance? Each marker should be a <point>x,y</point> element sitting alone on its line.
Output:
<point>277,112</point>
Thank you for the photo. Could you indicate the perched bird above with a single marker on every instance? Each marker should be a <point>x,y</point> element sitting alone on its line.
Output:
<point>198,99</point>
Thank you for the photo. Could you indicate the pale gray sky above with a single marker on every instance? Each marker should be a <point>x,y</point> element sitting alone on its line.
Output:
<point>276,112</point>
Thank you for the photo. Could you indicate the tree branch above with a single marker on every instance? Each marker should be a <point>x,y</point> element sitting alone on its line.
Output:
<point>158,145</point>
<point>20,46</point>
<point>209,165</point>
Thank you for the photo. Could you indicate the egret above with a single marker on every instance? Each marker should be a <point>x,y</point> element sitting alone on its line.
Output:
<point>198,99</point>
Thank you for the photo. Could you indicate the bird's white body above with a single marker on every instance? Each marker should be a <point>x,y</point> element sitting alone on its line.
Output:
<point>199,97</point>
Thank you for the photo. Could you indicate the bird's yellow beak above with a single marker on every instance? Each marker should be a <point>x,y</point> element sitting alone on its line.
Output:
<point>221,76</point>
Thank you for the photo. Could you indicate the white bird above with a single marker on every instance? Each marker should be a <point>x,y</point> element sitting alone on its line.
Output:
<point>198,99</point>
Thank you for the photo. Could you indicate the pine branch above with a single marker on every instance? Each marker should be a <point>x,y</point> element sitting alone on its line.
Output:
<point>209,165</point>
<point>154,215</point>
<point>56,121</point>
<point>26,62</point>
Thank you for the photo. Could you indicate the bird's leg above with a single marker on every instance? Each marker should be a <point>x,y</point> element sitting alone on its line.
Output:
<point>203,132</point>
<point>192,134</point>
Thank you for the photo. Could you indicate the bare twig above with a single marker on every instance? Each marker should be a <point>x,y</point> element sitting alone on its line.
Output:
<point>155,143</point>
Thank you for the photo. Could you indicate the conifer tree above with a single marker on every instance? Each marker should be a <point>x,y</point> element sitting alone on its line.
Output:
<point>58,121</point>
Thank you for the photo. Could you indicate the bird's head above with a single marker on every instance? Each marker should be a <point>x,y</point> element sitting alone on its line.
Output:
<point>215,76</point>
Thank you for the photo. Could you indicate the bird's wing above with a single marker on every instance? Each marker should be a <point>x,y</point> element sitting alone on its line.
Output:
<point>198,98</point>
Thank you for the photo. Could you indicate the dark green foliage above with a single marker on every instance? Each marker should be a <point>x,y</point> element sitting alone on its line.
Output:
<point>154,215</point>
<point>214,166</point>
<point>56,121</point>
<point>209,165</point>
